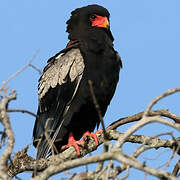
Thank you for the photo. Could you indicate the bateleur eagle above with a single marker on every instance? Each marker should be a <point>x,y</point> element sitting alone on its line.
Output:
<point>66,109</point>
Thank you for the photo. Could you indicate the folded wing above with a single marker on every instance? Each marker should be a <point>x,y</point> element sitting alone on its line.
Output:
<point>57,88</point>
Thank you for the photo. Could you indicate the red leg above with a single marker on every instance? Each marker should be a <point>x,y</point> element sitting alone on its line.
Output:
<point>74,143</point>
<point>93,135</point>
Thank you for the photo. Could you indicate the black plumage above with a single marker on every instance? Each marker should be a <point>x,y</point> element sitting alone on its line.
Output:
<point>65,101</point>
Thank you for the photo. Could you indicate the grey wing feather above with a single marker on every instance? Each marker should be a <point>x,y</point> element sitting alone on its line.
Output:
<point>71,64</point>
<point>64,67</point>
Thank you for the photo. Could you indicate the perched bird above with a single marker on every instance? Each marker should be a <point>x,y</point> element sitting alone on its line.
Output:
<point>66,108</point>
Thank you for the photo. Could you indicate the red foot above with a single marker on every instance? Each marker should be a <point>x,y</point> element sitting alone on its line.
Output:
<point>93,135</point>
<point>74,143</point>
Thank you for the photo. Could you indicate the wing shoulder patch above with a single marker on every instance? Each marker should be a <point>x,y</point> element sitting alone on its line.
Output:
<point>70,64</point>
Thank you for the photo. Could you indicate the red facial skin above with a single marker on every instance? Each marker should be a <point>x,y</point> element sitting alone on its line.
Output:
<point>99,21</point>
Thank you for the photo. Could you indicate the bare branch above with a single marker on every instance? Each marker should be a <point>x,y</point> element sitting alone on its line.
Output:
<point>138,116</point>
<point>155,100</point>
<point>37,69</point>
<point>22,111</point>
<point>116,155</point>
<point>146,120</point>
<point>4,119</point>
<point>21,70</point>
<point>176,168</point>
<point>141,123</point>
<point>143,148</point>
<point>96,105</point>
<point>50,166</point>
<point>28,164</point>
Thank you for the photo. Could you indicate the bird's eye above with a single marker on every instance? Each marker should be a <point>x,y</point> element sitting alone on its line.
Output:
<point>93,17</point>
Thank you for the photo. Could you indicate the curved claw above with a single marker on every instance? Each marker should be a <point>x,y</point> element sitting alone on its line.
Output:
<point>93,135</point>
<point>74,143</point>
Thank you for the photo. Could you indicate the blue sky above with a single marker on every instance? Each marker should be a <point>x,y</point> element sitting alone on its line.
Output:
<point>147,36</point>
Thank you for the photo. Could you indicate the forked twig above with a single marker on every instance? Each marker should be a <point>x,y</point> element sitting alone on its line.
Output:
<point>22,69</point>
<point>155,100</point>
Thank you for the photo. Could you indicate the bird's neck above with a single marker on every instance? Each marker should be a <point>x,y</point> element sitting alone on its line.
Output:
<point>91,38</point>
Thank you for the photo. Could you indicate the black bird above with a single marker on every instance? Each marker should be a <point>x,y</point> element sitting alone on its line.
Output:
<point>66,109</point>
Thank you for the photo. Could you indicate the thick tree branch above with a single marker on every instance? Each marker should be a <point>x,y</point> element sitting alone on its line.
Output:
<point>22,162</point>
<point>115,155</point>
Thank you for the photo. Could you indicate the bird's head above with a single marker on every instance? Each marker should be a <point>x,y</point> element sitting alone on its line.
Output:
<point>88,19</point>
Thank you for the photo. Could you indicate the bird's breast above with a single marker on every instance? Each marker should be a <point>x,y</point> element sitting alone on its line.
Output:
<point>104,76</point>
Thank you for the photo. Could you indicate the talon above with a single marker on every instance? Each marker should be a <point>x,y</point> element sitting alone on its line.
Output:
<point>93,135</point>
<point>74,143</point>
